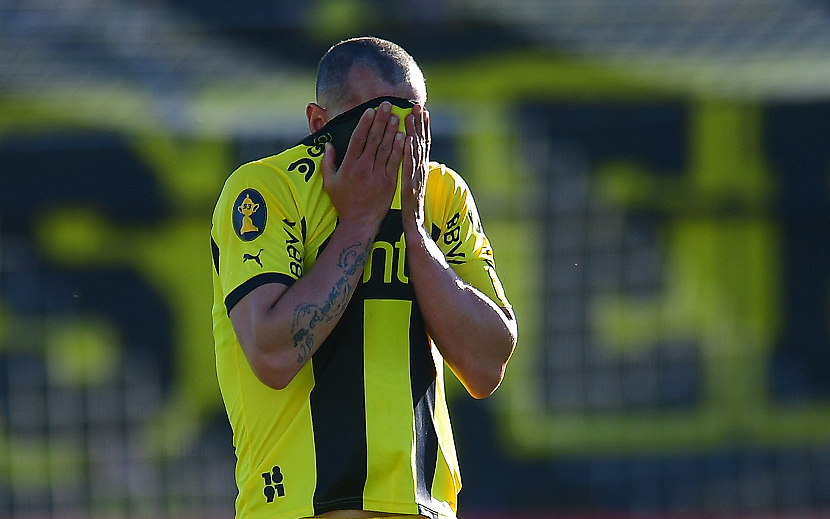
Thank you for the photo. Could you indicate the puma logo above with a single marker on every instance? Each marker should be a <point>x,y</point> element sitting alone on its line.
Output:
<point>247,257</point>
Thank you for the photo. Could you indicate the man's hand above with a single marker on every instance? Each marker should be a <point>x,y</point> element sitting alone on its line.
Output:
<point>415,166</point>
<point>278,327</point>
<point>362,189</point>
<point>475,337</point>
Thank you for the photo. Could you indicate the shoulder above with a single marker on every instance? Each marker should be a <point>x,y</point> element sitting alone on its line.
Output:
<point>293,163</point>
<point>289,172</point>
<point>444,173</point>
<point>444,183</point>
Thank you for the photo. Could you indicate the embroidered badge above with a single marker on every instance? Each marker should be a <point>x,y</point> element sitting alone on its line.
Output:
<point>249,215</point>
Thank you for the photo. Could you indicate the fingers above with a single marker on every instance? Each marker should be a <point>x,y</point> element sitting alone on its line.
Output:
<point>427,131</point>
<point>379,128</point>
<point>409,163</point>
<point>390,149</point>
<point>375,141</point>
<point>414,134</point>
<point>411,123</point>
<point>396,155</point>
<point>416,150</point>
<point>359,136</point>
<point>327,164</point>
<point>421,127</point>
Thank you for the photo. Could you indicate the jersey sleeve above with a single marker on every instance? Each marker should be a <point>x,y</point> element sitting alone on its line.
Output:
<point>256,231</point>
<point>457,230</point>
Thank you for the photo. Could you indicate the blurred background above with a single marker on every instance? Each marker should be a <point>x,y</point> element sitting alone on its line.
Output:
<point>653,176</point>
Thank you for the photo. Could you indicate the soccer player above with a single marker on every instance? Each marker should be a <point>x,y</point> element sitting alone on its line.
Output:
<point>349,269</point>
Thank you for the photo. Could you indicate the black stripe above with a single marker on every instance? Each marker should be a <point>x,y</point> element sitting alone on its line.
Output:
<point>338,413</point>
<point>390,232</point>
<point>245,288</point>
<point>215,249</point>
<point>338,403</point>
<point>422,376</point>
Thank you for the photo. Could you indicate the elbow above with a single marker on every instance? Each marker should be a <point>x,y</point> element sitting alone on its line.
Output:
<point>274,370</point>
<point>480,393</point>
<point>272,360</point>
<point>275,381</point>
<point>485,383</point>
<point>479,380</point>
<point>487,376</point>
<point>275,377</point>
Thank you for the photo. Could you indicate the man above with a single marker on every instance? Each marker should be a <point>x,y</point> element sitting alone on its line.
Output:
<point>348,270</point>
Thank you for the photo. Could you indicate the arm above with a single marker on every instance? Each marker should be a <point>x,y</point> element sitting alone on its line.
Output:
<point>475,337</point>
<point>280,327</point>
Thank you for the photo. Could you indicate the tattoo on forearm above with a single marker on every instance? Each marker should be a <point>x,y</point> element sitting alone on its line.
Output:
<point>308,315</point>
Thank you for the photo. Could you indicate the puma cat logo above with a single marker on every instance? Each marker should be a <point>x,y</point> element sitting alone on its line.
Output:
<point>248,257</point>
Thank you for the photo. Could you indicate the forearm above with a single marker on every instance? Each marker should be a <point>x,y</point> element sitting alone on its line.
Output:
<point>283,329</point>
<point>279,328</point>
<point>474,335</point>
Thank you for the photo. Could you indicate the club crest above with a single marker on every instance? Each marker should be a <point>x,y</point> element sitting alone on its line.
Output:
<point>249,215</point>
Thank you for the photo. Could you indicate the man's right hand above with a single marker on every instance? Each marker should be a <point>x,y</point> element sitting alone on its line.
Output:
<point>362,189</point>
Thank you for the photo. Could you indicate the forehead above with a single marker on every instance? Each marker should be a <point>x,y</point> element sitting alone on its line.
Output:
<point>365,85</point>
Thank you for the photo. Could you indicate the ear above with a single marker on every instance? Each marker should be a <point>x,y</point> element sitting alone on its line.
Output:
<point>317,116</point>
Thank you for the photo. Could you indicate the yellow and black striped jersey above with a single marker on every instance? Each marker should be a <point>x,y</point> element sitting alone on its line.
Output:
<point>364,424</point>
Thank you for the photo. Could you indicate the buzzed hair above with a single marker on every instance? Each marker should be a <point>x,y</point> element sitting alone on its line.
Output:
<point>387,60</point>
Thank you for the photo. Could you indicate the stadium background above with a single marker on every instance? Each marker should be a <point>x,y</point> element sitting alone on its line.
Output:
<point>653,175</point>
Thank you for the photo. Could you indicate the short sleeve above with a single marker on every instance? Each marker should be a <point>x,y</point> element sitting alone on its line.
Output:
<point>257,234</point>
<point>457,229</point>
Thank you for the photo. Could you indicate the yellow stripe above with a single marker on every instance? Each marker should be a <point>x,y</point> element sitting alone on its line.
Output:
<point>389,414</point>
<point>402,113</point>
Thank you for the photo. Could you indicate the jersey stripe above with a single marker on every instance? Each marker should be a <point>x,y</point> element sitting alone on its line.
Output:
<point>422,377</point>
<point>338,412</point>
<point>215,251</point>
<point>389,429</point>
